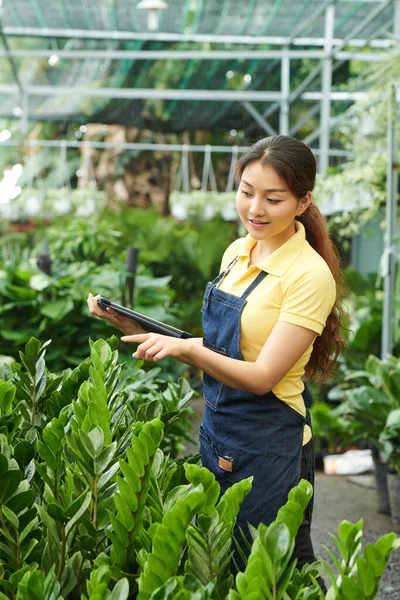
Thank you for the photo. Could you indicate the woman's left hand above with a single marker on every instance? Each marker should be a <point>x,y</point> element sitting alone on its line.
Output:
<point>154,347</point>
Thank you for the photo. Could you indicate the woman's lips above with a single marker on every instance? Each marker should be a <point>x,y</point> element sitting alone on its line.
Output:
<point>258,224</point>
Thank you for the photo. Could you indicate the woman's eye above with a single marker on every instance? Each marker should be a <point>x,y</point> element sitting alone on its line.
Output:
<point>247,194</point>
<point>272,201</point>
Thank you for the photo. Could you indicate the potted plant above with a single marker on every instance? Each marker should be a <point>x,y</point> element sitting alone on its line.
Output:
<point>390,442</point>
<point>368,405</point>
<point>332,432</point>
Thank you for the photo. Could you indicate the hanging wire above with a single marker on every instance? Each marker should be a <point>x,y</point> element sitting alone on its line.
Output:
<point>231,177</point>
<point>183,176</point>
<point>208,172</point>
<point>89,175</point>
<point>63,174</point>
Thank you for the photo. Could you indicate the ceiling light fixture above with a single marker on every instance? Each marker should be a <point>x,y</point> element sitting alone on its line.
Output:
<point>153,8</point>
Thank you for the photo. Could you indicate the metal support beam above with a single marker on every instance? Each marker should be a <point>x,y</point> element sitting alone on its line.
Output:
<point>102,34</point>
<point>308,115</point>
<point>338,54</point>
<point>7,53</point>
<point>24,123</point>
<point>348,114</point>
<point>174,94</point>
<point>191,54</point>
<point>259,118</point>
<point>141,146</point>
<point>326,91</point>
<point>285,90</point>
<point>187,54</point>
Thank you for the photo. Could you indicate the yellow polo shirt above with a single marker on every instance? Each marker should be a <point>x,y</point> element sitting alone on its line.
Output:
<point>299,289</point>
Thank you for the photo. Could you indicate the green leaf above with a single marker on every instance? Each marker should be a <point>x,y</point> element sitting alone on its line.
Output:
<point>56,512</point>
<point>86,498</point>
<point>47,455</point>
<point>58,309</point>
<point>366,576</point>
<point>105,457</point>
<point>27,549</point>
<point>10,481</point>
<point>32,349</point>
<point>11,517</point>
<point>159,566</point>
<point>393,420</point>
<point>199,475</point>
<point>96,436</point>
<point>52,441</point>
<point>121,590</point>
<point>24,453</point>
<point>3,463</point>
<point>277,541</point>
<point>49,523</point>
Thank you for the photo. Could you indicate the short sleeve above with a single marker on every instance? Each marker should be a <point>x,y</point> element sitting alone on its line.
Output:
<point>308,300</point>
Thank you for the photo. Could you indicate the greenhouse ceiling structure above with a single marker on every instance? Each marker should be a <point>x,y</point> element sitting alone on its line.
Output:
<point>195,65</point>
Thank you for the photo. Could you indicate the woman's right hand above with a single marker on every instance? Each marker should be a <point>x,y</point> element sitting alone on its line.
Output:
<point>125,324</point>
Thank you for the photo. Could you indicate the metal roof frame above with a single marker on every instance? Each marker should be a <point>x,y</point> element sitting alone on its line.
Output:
<point>329,49</point>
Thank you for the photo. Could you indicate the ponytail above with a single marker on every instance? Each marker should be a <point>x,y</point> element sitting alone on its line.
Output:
<point>330,343</point>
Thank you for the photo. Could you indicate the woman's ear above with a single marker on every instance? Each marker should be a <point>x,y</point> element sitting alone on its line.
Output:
<point>304,203</point>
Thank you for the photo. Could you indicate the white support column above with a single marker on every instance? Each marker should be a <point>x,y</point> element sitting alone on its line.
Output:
<point>24,123</point>
<point>388,260</point>
<point>326,91</point>
<point>285,91</point>
<point>396,20</point>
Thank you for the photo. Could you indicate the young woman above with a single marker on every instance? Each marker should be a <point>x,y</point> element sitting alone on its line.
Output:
<point>272,316</point>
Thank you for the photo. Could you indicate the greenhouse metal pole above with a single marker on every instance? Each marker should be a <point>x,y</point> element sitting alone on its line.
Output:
<point>326,90</point>
<point>388,261</point>
<point>285,91</point>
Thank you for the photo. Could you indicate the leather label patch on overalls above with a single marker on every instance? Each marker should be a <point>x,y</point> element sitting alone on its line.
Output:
<point>226,465</point>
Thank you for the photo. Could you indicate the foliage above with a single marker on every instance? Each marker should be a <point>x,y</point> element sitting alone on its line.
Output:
<point>364,306</point>
<point>359,572</point>
<point>92,507</point>
<point>369,396</point>
<point>189,253</point>
<point>55,305</point>
<point>389,440</point>
<point>175,263</point>
<point>328,423</point>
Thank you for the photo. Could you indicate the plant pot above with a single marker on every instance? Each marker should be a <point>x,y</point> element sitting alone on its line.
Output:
<point>382,492</point>
<point>394,496</point>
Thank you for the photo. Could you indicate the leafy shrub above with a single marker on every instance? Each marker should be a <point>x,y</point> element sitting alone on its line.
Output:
<point>55,306</point>
<point>92,507</point>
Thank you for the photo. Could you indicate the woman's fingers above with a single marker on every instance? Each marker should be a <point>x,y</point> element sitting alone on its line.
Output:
<point>95,309</point>
<point>148,348</point>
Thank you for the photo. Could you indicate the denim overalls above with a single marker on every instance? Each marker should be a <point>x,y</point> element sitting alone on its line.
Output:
<point>244,434</point>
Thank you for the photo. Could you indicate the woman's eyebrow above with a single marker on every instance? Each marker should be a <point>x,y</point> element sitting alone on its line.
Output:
<point>269,190</point>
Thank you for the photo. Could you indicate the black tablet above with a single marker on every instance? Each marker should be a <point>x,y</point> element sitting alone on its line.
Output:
<point>146,322</point>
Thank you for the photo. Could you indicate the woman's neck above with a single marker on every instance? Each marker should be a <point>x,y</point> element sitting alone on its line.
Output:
<point>264,248</point>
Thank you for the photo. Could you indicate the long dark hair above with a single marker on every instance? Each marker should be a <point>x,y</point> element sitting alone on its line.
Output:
<point>296,166</point>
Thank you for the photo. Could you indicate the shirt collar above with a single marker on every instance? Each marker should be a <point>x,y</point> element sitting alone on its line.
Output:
<point>279,261</point>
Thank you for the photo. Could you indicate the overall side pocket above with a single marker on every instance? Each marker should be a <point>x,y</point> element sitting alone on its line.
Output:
<point>217,461</point>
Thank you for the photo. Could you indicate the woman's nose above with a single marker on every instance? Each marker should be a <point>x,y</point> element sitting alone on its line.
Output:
<point>257,205</point>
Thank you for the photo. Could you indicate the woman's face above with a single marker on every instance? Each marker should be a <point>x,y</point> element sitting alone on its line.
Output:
<point>265,205</point>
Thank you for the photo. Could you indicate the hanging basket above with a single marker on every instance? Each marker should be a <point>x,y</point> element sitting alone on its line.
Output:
<point>203,206</point>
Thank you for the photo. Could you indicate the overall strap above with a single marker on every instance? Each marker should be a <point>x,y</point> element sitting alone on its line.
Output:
<point>225,272</point>
<point>254,284</point>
